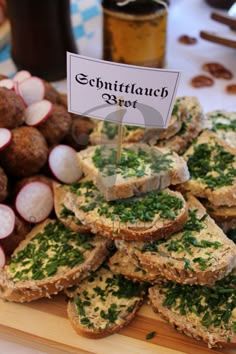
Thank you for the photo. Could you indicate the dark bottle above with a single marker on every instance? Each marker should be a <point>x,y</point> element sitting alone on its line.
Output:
<point>134,32</point>
<point>41,33</point>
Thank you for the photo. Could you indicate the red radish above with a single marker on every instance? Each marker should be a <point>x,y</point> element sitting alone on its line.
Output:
<point>64,164</point>
<point>5,137</point>
<point>16,88</point>
<point>21,76</point>
<point>2,258</point>
<point>8,83</point>
<point>31,90</point>
<point>7,220</point>
<point>37,112</point>
<point>34,201</point>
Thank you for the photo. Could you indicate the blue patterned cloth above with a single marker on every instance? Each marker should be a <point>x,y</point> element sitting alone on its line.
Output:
<point>84,13</point>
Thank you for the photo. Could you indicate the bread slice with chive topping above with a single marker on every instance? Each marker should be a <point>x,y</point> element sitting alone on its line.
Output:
<point>106,132</point>
<point>103,303</point>
<point>212,166</point>
<point>189,123</point>
<point>65,215</point>
<point>223,123</point>
<point>50,258</point>
<point>141,169</point>
<point>153,215</point>
<point>202,312</point>
<point>200,253</point>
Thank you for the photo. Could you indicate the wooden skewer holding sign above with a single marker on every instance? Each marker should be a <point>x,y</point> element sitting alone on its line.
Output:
<point>120,134</point>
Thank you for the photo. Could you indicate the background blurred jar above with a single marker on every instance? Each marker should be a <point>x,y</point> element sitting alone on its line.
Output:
<point>41,33</point>
<point>135,31</point>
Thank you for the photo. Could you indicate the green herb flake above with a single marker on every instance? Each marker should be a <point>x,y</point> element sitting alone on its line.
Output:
<point>150,335</point>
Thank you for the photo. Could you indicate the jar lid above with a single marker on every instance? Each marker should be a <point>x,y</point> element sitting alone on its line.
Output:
<point>126,5</point>
<point>165,3</point>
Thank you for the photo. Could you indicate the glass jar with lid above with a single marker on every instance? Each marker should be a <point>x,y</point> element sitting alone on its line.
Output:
<point>135,31</point>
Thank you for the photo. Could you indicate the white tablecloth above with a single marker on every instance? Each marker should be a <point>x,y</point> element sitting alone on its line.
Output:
<point>185,17</point>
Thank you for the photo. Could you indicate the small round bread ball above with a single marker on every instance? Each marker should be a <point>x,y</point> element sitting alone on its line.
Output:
<point>3,185</point>
<point>56,126</point>
<point>11,109</point>
<point>26,154</point>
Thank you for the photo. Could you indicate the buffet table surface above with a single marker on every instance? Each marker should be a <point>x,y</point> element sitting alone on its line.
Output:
<point>42,327</point>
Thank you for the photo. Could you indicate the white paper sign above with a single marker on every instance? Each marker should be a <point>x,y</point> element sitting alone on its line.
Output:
<point>127,94</point>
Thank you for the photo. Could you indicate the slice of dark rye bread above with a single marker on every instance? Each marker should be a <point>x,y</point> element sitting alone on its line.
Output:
<point>50,259</point>
<point>200,253</point>
<point>65,215</point>
<point>212,165</point>
<point>153,215</point>
<point>202,312</point>
<point>141,169</point>
<point>103,303</point>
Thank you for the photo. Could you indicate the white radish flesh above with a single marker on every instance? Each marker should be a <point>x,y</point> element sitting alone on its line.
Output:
<point>7,83</point>
<point>21,76</point>
<point>38,112</point>
<point>31,90</point>
<point>5,137</point>
<point>34,201</point>
<point>64,165</point>
<point>2,258</point>
<point>7,221</point>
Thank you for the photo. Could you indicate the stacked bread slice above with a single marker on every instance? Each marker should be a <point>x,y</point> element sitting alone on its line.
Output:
<point>186,122</point>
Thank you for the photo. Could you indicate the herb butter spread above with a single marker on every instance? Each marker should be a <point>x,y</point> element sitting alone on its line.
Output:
<point>133,163</point>
<point>211,307</point>
<point>193,247</point>
<point>212,164</point>
<point>105,300</point>
<point>111,130</point>
<point>49,252</point>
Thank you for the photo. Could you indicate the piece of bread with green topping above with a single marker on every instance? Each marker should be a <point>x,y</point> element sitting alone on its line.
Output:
<point>141,169</point>
<point>153,215</point>
<point>223,215</point>
<point>50,258</point>
<point>212,166</point>
<point>188,124</point>
<point>104,303</point>
<point>65,215</point>
<point>200,253</point>
<point>223,123</point>
<point>106,132</point>
<point>121,263</point>
<point>202,312</point>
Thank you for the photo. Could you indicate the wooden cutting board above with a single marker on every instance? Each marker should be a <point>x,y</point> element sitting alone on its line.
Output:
<point>43,325</point>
